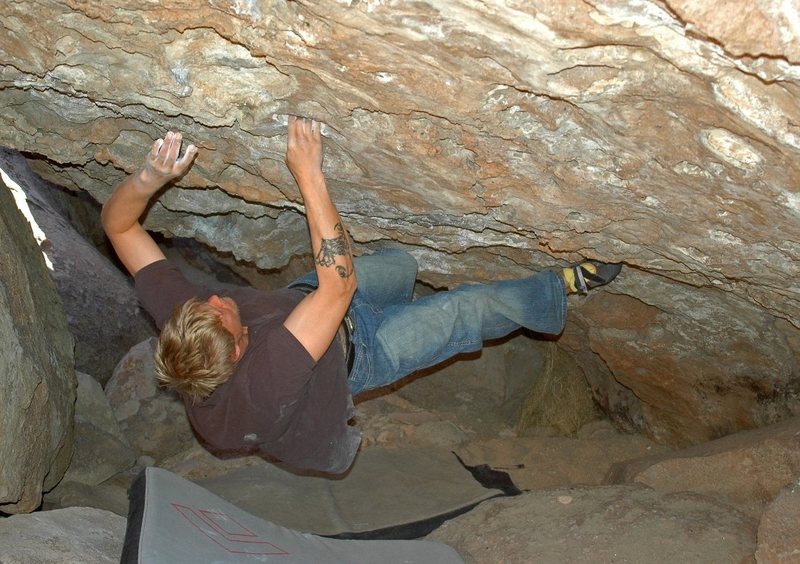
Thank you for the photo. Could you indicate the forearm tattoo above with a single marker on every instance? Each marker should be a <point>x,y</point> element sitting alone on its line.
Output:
<point>336,247</point>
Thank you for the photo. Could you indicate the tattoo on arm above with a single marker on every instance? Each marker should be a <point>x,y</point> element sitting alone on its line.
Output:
<point>331,248</point>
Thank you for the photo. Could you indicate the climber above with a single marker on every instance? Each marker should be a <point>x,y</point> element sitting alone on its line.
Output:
<point>274,372</point>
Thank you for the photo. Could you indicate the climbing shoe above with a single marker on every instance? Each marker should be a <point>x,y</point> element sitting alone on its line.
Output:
<point>589,274</point>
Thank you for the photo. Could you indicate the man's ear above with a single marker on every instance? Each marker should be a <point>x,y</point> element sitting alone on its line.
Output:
<point>237,352</point>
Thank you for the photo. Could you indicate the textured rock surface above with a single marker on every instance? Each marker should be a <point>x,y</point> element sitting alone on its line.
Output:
<point>153,421</point>
<point>539,463</point>
<point>747,469</point>
<point>37,370</point>
<point>688,365</point>
<point>101,450</point>
<point>600,524</point>
<point>110,496</point>
<point>89,285</point>
<point>489,139</point>
<point>779,530</point>
<point>63,536</point>
<point>485,390</point>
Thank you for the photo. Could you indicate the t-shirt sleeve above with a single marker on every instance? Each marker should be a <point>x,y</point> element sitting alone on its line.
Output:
<point>160,286</point>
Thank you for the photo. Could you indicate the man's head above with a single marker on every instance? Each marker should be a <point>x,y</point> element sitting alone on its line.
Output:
<point>199,346</point>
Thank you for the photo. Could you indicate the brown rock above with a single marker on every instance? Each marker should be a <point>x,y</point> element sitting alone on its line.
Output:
<point>536,463</point>
<point>744,28</point>
<point>779,531</point>
<point>693,365</point>
<point>601,524</point>
<point>747,469</point>
<point>480,393</point>
<point>559,397</point>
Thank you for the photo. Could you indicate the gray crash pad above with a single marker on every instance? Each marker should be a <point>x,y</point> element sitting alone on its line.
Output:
<point>175,521</point>
<point>397,493</point>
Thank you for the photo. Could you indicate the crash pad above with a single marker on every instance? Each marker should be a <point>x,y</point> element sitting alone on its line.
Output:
<point>175,521</point>
<point>389,493</point>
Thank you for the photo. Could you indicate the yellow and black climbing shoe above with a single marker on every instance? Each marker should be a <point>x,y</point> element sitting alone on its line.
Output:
<point>589,274</point>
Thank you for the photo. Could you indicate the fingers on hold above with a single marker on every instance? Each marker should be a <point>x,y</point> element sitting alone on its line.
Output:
<point>174,146</point>
<point>189,154</point>
<point>166,146</point>
<point>304,125</point>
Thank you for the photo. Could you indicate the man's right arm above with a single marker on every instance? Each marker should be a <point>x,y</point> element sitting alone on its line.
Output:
<point>121,213</point>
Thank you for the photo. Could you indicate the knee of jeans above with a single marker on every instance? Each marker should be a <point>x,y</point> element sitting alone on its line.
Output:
<point>403,258</point>
<point>408,258</point>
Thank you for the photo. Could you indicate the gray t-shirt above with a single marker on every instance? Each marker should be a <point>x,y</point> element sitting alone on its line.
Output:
<point>278,402</point>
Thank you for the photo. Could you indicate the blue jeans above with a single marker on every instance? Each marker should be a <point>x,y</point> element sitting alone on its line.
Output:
<point>396,336</point>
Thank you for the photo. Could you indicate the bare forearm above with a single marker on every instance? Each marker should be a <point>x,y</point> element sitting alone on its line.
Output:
<point>330,242</point>
<point>121,213</point>
<point>316,319</point>
<point>128,202</point>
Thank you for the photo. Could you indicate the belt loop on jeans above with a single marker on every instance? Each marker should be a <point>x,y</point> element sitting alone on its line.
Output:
<point>348,324</point>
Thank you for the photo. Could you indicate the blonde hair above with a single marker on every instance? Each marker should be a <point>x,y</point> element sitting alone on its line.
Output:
<point>194,352</point>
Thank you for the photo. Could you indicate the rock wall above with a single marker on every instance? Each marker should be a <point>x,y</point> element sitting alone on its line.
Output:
<point>101,308</point>
<point>37,370</point>
<point>489,139</point>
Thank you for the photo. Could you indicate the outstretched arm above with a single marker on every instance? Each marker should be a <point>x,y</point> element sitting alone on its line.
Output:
<point>121,213</point>
<point>316,319</point>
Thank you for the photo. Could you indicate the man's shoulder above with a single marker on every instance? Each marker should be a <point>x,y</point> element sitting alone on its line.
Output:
<point>260,307</point>
<point>161,286</point>
<point>155,266</point>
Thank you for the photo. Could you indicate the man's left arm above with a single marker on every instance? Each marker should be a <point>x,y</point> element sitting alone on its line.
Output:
<point>315,320</point>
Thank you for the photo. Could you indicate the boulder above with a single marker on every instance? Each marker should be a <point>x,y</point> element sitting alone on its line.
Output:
<point>99,301</point>
<point>685,365</point>
<point>539,463</point>
<point>627,523</point>
<point>101,449</point>
<point>484,392</point>
<point>37,369</point>
<point>111,496</point>
<point>76,535</point>
<point>747,469</point>
<point>153,420</point>
<point>779,530</point>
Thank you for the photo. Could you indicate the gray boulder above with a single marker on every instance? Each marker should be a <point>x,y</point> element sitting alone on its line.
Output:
<point>153,420</point>
<point>37,370</point>
<point>101,450</point>
<point>74,535</point>
<point>98,298</point>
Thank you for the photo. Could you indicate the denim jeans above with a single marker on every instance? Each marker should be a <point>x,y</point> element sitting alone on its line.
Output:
<point>396,336</point>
